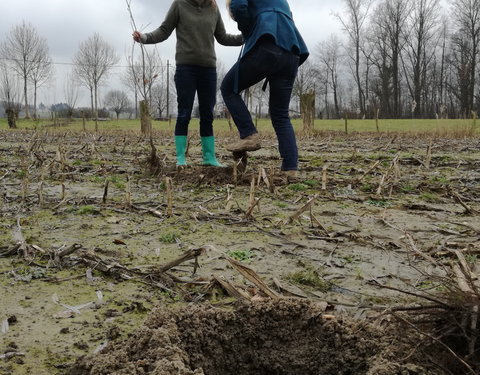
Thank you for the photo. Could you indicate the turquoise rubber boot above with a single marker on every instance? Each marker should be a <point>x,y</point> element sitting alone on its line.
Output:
<point>181,148</point>
<point>208,152</point>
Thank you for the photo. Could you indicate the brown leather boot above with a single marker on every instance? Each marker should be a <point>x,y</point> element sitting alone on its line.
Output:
<point>290,176</point>
<point>250,143</point>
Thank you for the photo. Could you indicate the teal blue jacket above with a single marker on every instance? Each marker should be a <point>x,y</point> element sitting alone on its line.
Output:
<point>256,18</point>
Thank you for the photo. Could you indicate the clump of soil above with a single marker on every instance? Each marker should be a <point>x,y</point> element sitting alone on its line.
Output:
<point>262,338</point>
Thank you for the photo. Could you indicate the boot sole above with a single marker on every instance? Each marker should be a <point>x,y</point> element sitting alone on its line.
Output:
<point>244,149</point>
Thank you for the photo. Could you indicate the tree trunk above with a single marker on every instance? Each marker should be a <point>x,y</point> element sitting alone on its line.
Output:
<point>307,105</point>
<point>145,119</point>
<point>335,93</point>
<point>11,118</point>
<point>136,105</point>
<point>96,106</point>
<point>396,81</point>
<point>358,79</point>
<point>25,92</point>
<point>91,102</point>
<point>35,102</point>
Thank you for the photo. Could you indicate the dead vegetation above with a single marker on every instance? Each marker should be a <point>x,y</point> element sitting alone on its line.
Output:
<point>383,229</point>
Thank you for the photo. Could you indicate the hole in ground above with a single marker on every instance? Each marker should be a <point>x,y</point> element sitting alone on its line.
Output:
<point>285,337</point>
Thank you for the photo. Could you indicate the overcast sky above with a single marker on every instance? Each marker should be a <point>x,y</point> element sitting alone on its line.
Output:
<point>66,23</point>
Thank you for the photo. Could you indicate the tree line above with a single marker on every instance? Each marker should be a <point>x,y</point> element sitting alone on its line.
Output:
<point>26,66</point>
<point>401,58</point>
<point>392,59</point>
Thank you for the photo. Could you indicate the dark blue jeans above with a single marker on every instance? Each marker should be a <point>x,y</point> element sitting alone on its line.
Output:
<point>280,67</point>
<point>191,79</point>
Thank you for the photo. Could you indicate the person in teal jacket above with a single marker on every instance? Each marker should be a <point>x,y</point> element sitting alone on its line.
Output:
<point>273,50</point>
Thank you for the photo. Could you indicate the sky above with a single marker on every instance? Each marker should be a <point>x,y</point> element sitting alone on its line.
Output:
<point>67,23</point>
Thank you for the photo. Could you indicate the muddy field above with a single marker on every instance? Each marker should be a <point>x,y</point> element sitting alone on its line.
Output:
<point>238,265</point>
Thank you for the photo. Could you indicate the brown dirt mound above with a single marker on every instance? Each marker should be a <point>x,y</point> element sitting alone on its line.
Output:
<point>274,337</point>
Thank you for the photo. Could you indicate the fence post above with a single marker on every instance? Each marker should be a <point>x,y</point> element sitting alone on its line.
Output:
<point>346,123</point>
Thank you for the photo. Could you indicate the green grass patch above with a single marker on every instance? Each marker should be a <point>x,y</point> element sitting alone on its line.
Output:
<point>471,259</point>
<point>298,187</point>
<point>170,237</point>
<point>408,188</point>
<point>440,179</point>
<point>28,274</point>
<point>310,183</point>
<point>451,126</point>
<point>244,256</point>
<point>310,277</point>
<point>366,188</point>
<point>97,179</point>
<point>378,202</point>
<point>431,197</point>
<point>87,210</point>
<point>317,162</point>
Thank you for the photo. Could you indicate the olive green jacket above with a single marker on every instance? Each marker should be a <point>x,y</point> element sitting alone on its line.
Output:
<point>197,24</point>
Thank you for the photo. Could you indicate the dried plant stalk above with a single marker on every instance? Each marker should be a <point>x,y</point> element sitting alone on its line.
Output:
<point>428,158</point>
<point>301,210</point>
<point>250,275</point>
<point>105,191</point>
<point>128,193</point>
<point>169,186</point>
<point>324,176</point>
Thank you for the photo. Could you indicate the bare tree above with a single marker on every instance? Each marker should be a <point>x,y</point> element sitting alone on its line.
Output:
<point>353,22</point>
<point>329,55</point>
<point>22,47</point>
<point>42,71</point>
<point>421,41</point>
<point>260,99</point>
<point>9,93</point>
<point>381,82</point>
<point>441,102</point>
<point>323,93</point>
<point>477,94</point>
<point>117,101</point>
<point>141,76</point>
<point>71,94</point>
<point>128,79</point>
<point>93,61</point>
<point>305,81</point>
<point>159,99</point>
<point>466,15</point>
<point>389,25</point>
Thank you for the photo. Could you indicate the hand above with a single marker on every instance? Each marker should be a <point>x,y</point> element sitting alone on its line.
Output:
<point>137,36</point>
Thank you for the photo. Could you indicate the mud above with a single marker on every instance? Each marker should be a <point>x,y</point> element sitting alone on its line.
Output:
<point>387,217</point>
<point>281,337</point>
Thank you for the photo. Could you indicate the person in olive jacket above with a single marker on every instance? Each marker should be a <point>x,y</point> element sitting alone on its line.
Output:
<point>273,50</point>
<point>198,24</point>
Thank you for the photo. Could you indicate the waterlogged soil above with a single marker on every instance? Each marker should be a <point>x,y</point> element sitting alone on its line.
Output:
<point>385,214</point>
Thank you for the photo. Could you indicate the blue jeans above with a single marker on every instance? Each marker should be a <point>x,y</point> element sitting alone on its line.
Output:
<point>191,79</point>
<point>280,67</point>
